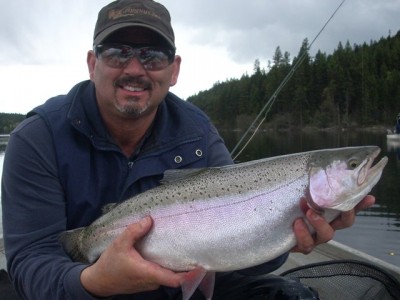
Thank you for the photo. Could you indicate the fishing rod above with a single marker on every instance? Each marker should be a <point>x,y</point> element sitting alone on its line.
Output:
<point>267,107</point>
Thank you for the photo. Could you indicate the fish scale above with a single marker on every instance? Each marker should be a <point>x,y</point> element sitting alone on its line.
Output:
<point>233,217</point>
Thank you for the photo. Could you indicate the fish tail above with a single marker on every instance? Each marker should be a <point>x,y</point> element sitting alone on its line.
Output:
<point>71,242</point>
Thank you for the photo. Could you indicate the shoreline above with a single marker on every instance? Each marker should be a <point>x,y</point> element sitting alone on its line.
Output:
<point>312,129</point>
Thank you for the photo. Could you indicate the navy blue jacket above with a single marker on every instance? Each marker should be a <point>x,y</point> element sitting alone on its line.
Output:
<point>61,167</point>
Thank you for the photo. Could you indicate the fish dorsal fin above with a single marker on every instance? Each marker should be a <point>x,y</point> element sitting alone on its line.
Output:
<point>174,175</point>
<point>108,207</point>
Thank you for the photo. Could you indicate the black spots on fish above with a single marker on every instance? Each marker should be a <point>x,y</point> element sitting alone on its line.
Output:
<point>225,189</point>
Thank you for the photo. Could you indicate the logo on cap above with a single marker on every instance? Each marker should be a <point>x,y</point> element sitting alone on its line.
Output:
<point>130,11</point>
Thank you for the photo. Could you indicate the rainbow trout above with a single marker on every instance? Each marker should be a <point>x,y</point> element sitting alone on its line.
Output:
<point>233,217</point>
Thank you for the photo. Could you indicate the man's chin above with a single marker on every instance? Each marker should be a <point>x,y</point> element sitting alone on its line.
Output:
<point>134,111</point>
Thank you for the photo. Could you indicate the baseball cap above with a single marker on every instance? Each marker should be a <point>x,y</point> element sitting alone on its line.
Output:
<point>125,13</point>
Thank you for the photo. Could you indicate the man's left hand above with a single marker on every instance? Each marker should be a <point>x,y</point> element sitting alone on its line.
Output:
<point>324,231</point>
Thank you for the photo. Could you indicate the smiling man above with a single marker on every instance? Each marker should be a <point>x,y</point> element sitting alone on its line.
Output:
<point>108,139</point>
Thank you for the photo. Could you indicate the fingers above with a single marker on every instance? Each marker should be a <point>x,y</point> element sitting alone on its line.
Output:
<point>324,231</point>
<point>121,269</point>
<point>367,202</point>
<point>155,274</point>
<point>347,219</point>
<point>306,241</point>
<point>136,231</point>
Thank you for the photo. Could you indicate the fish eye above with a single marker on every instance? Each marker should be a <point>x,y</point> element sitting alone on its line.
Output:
<point>353,164</point>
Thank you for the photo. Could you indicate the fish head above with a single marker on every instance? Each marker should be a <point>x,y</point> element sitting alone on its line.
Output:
<point>341,178</point>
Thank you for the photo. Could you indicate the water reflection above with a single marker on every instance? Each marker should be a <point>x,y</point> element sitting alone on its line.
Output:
<point>393,146</point>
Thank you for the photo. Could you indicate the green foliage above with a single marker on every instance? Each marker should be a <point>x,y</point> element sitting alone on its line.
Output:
<point>9,121</point>
<point>356,85</point>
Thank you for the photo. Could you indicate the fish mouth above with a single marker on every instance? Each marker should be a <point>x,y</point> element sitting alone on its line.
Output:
<point>369,172</point>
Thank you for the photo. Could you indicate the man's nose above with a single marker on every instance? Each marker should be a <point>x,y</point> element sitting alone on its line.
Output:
<point>134,66</point>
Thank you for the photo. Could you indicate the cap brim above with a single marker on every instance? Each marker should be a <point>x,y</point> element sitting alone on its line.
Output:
<point>106,32</point>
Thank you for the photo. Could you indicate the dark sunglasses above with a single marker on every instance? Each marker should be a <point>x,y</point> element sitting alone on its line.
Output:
<point>119,56</point>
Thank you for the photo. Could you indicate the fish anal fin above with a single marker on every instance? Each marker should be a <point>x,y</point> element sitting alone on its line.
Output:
<point>198,278</point>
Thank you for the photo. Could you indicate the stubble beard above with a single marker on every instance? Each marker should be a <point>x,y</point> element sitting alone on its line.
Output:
<point>132,106</point>
<point>133,109</point>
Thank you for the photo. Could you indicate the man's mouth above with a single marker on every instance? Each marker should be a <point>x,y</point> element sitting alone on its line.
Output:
<point>133,88</point>
<point>133,84</point>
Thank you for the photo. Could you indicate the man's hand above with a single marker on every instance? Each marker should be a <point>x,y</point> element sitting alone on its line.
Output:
<point>122,270</point>
<point>324,231</point>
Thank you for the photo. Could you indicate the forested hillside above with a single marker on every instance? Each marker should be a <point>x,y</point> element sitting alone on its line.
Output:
<point>357,85</point>
<point>9,121</point>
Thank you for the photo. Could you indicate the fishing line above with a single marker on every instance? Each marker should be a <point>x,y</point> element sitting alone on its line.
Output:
<point>267,107</point>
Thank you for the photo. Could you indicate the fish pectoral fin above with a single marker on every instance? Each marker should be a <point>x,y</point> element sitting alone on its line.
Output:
<point>198,278</point>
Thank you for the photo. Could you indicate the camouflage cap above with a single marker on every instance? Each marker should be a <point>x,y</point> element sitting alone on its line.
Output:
<point>125,13</point>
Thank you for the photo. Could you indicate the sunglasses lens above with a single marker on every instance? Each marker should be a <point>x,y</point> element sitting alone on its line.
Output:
<point>118,56</point>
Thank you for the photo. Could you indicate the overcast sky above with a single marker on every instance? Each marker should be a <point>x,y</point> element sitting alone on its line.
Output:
<point>44,42</point>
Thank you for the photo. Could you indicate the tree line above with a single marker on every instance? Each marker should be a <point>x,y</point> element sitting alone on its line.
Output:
<point>9,121</point>
<point>356,85</point>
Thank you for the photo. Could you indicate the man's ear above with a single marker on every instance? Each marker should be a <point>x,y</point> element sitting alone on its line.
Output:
<point>176,68</point>
<point>91,63</point>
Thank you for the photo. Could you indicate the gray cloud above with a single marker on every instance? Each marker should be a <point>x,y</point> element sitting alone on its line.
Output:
<point>254,28</point>
<point>39,32</point>
<point>47,30</point>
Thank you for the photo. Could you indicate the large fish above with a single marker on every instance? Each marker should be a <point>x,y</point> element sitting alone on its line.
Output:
<point>233,217</point>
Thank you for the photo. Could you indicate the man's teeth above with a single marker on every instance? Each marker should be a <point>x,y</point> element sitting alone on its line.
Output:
<point>133,88</point>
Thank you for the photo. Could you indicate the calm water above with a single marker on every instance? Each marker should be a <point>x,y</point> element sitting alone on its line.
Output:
<point>377,230</point>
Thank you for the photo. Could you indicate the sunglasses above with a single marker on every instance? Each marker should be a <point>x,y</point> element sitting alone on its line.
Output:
<point>119,56</point>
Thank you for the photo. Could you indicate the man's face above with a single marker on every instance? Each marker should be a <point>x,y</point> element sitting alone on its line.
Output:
<point>131,91</point>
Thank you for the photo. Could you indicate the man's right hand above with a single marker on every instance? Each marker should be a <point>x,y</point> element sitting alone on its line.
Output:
<point>122,270</point>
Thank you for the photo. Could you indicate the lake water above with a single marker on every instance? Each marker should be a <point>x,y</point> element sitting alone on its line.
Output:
<point>376,230</point>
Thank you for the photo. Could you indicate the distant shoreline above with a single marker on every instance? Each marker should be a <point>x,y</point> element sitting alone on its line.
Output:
<point>312,129</point>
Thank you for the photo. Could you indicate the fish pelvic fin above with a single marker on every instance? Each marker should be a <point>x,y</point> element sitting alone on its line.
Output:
<point>70,241</point>
<point>207,285</point>
<point>198,278</point>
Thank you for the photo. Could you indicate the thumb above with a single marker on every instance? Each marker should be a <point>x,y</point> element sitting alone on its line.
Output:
<point>134,232</point>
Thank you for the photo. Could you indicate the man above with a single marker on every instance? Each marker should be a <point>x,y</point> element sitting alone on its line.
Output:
<point>108,139</point>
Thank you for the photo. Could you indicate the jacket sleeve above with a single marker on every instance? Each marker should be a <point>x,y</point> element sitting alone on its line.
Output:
<point>33,204</point>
